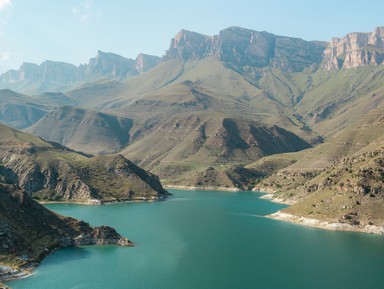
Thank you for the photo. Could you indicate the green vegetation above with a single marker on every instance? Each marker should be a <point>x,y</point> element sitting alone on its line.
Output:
<point>52,172</point>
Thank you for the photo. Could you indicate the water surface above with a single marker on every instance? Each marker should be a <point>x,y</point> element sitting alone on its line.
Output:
<point>203,239</point>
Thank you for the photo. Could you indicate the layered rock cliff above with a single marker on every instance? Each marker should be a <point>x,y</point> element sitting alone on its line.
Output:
<point>244,47</point>
<point>354,50</point>
<point>145,62</point>
<point>51,74</point>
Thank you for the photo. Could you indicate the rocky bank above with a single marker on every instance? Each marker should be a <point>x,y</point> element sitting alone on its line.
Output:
<point>29,232</point>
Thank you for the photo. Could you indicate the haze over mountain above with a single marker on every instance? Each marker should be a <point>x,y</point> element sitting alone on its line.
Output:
<point>56,76</point>
<point>81,129</point>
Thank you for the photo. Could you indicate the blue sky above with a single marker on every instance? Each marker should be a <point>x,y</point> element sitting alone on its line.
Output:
<point>73,30</point>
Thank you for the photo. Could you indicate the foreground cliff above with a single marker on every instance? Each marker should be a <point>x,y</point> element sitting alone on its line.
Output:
<point>48,171</point>
<point>29,232</point>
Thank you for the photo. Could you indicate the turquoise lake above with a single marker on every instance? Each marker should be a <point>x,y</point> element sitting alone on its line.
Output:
<point>205,239</point>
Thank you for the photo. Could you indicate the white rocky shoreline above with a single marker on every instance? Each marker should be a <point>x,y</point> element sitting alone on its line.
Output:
<point>334,226</point>
<point>312,222</point>
<point>202,188</point>
<point>8,274</point>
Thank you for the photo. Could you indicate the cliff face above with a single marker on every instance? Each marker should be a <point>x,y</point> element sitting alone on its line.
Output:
<point>111,65</point>
<point>104,65</point>
<point>145,62</point>
<point>354,50</point>
<point>244,47</point>
<point>188,45</point>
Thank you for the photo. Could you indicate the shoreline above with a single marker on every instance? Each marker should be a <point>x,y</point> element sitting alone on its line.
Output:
<point>316,223</point>
<point>96,202</point>
<point>270,197</point>
<point>202,188</point>
<point>8,274</point>
<point>332,226</point>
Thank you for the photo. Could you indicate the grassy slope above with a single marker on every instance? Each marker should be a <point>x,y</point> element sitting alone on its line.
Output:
<point>340,180</point>
<point>84,130</point>
<point>177,105</point>
<point>19,110</point>
<point>54,173</point>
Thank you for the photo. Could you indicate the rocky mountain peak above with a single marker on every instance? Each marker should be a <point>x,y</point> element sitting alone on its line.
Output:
<point>52,74</point>
<point>354,50</point>
<point>246,47</point>
<point>110,64</point>
<point>145,62</point>
<point>188,45</point>
<point>242,47</point>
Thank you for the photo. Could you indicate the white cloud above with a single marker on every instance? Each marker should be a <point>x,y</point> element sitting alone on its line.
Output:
<point>4,3</point>
<point>83,11</point>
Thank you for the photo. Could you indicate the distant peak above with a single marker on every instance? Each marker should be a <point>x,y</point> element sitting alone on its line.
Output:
<point>188,33</point>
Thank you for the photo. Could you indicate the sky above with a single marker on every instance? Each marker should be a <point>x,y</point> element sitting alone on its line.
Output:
<point>74,30</point>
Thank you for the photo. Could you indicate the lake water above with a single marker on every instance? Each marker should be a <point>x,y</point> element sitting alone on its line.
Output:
<point>204,239</point>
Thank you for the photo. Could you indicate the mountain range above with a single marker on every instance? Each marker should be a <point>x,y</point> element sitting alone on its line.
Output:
<point>239,109</point>
<point>55,75</point>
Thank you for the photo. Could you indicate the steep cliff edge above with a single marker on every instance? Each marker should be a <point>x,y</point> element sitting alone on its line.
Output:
<point>54,75</point>
<point>354,50</point>
<point>247,48</point>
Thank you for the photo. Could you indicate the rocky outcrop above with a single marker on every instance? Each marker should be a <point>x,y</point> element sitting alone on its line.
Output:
<point>243,47</point>
<point>145,62</point>
<point>188,45</point>
<point>350,191</point>
<point>102,235</point>
<point>355,50</point>
<point>111,65</point>
<point>29,231</point>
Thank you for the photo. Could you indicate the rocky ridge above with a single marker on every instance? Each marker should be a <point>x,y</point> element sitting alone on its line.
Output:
<point>54,74</point>
<point>349,192</point>
<point>355,50</point>
<point>247,48</point>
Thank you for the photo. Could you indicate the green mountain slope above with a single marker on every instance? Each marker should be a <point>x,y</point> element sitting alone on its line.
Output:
<point>84,130</point>
<point>339,181</point>
<point>228,100</point>
<point>188,145</point>
<point>19,111</point>
<point>51,172</point>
